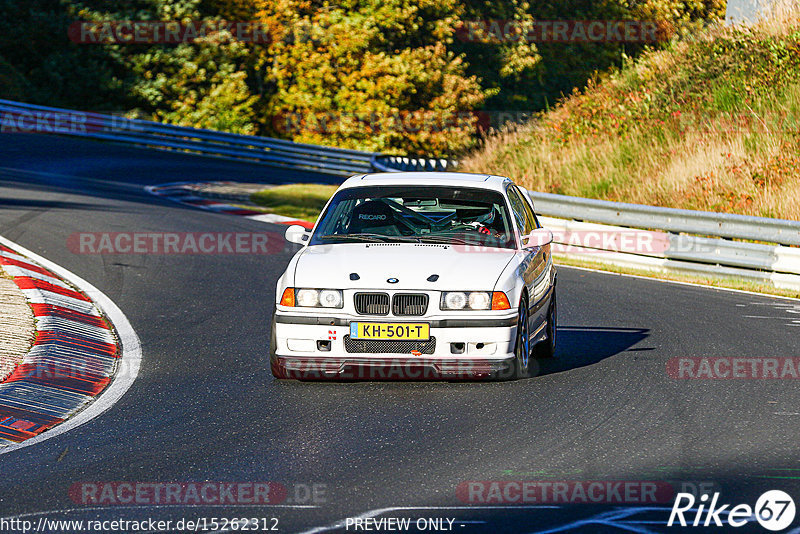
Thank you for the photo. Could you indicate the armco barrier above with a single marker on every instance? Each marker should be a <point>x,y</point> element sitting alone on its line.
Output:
<point>669,219</point>
<point>685,254</point>
<point>381,163</point>
<point>18,117</point>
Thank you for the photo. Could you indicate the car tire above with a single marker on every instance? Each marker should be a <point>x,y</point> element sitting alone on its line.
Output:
<point>547,347</point>
<point>522,348</point>
<point>277,371</point>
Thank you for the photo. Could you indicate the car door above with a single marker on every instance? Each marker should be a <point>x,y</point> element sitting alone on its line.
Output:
<point>527,269</point>
<point>543,258</point>
<point>534,269</point>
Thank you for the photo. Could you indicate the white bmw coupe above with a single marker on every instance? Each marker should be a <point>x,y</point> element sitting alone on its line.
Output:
<point>417,276</point>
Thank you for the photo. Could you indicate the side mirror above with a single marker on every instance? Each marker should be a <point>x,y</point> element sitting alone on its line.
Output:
<point>538,238</point>
<point>297,234</point>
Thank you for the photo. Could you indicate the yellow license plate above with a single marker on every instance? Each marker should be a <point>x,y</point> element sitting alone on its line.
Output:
<point>390,331</point>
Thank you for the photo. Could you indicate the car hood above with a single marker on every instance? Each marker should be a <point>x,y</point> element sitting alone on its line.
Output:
<point>322,266</point>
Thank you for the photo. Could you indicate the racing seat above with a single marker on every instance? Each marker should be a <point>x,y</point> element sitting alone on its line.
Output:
<point>374,217</point>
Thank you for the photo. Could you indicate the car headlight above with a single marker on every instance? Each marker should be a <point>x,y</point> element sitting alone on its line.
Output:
<point>314,298</point>
<point>330,298</point>
<point>474,300</point>
<point>307,298</point>
<point>454,300</point>
<point>480,300</point>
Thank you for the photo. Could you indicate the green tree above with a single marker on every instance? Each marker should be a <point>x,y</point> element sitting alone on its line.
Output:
<point>370,74</point>
<point>200,84</point>
<point>40,64</point>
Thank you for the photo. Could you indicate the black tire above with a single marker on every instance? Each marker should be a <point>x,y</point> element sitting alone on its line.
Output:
<point>522,348</point>
<point>277,371</point>
<point>547,347</point>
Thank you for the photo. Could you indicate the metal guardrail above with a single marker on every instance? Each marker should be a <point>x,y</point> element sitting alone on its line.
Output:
<point>676,247</point>
<point>31,118</point>
<point>382,163</point>
<point>706,223</point>
<point>653,250</point>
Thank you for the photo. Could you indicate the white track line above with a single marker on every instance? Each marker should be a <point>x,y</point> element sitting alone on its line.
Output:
<point>129,362</point>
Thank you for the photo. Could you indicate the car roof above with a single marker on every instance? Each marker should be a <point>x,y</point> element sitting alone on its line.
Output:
<point>483,181</point>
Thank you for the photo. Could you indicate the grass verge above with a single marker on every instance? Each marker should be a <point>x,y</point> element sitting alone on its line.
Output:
<point>299,201</point>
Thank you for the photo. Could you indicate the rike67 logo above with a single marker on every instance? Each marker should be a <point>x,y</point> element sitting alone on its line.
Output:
<point>774,510</point>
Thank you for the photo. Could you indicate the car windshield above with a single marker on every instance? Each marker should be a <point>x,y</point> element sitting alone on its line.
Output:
<point>417,214</point>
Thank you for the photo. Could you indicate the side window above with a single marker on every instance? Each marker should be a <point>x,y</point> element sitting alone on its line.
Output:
<point>520,208</point>
<point>531,216</point>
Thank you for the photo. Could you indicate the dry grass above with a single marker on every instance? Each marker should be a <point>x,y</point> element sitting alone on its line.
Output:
<point>710,123</point>
<point>784,16</point>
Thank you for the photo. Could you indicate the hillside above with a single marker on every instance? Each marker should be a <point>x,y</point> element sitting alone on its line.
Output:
<point>403,77</point>
<point>711,122</point>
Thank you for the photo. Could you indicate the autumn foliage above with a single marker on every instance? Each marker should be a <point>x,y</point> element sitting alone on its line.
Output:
<point>381,75</point>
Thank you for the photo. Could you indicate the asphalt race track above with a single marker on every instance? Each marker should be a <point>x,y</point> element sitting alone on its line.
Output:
<point>205,407</point>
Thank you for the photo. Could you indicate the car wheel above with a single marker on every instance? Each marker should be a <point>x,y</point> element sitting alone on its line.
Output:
<point>522,350</point>
<point>277,371</point>
<point>547,347</point>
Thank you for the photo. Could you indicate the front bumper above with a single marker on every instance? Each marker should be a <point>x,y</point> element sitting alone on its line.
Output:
<point>395,368</point>
<point>318,347</point>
